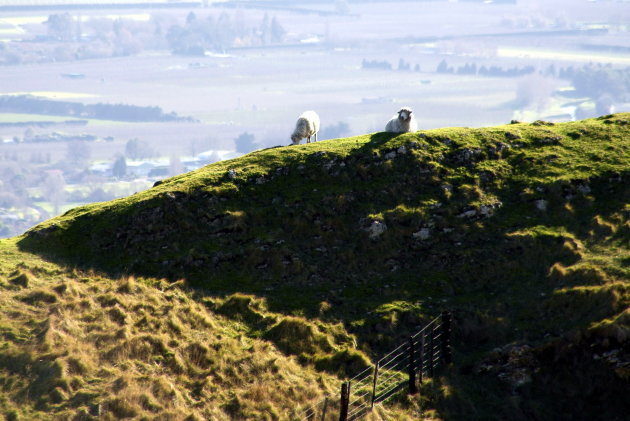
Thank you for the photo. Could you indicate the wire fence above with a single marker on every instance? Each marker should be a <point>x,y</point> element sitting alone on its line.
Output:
<point>403,367</point>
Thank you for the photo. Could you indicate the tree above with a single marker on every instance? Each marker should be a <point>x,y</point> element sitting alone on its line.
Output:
<point>191,17</point>
<point>277,31</point>
<point>138,149</point>
<point>175,166</point>
<point>28,134</point>
<point>119,170</point>
<point>442,67</point>
<point>60,27</point>
<point>533,91</point>
<point>341,6</point>
<point>78,152</point>
<point>54,189</point>
<point>265,30</point>
<point>244,142</point>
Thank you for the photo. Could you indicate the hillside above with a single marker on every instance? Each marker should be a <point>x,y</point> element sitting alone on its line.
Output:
<point>341,247</point>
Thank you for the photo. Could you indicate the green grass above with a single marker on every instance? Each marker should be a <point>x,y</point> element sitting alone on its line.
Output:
<point>521,230</point>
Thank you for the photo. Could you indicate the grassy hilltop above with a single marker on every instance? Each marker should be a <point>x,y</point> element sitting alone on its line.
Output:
<point>270,277</point>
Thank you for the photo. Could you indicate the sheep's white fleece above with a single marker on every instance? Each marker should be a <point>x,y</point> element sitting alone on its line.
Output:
<point>402,122</point>
<point>307,125</point>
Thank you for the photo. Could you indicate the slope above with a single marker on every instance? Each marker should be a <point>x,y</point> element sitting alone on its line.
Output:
<point>521,229</point>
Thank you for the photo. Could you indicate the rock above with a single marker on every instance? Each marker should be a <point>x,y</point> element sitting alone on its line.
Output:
<point>549,140</point>
<point>45,232</point>
<point>541,204</point>
<point>584,188</point>
<point>377,229</point>
<point>390,155</point>
<point>231,174</point>
<point>402,150</point>
<point>466,156</point>
<point>468,214</point>
<point>423,234</point>
<point>486,211</point>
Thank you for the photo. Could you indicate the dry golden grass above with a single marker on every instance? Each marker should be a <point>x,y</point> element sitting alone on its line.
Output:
<point>116,349</point>
<point>80,346</point>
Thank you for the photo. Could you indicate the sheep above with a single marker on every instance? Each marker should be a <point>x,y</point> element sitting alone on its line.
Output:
<point>307,126</point>
<point>403,122</point>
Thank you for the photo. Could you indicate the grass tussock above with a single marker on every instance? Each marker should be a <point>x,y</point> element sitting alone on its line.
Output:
<point>123,349</point>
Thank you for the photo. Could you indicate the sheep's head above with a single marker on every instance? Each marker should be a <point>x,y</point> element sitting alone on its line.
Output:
<point>405,114</point>
<point>295,138</point>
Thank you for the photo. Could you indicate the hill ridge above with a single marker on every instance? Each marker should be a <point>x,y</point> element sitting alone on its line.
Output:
<point>521,229</point>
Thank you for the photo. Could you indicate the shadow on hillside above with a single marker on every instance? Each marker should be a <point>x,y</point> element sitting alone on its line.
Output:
<point>312,258</point>
<point>515,276</point>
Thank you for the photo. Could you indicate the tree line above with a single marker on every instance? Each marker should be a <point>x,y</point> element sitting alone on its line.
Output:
<point>119,112</point>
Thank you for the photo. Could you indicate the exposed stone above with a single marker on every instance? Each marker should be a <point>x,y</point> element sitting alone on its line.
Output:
<point>584,188</point>
<point>468,213</point>
<point>423,234</point>
<point>390,155</point>
<point>541,204</point>
<point>376,229</point>
<point>466,156</point>
<point>402,150</point>
<point>549,140</point>
<point>486,211</point>
<point>231,174</point>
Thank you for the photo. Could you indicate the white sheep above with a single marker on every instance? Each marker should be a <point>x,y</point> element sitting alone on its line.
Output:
<point>307,126</point>
<point>403,122</point>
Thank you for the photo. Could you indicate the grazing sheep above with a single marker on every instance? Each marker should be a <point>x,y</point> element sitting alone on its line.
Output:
<point>307,125</point>
<point>403,122</point>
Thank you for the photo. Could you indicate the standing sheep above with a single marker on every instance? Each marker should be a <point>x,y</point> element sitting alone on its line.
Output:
<point>307,125</point>
<point>403,122</point>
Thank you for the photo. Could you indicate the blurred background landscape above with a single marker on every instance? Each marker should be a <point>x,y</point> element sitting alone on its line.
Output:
<point>101,99</point>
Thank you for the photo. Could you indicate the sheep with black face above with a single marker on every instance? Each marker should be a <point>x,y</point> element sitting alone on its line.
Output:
<point>403,122</point>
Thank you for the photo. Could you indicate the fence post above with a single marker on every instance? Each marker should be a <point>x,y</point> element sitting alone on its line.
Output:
<point>345,401</point>
<point>421,354</point>
<point>431,346</point>
<point>324,409</point>
<point>413,387</point>
<point>376,367</point>
<point>446,337</point>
